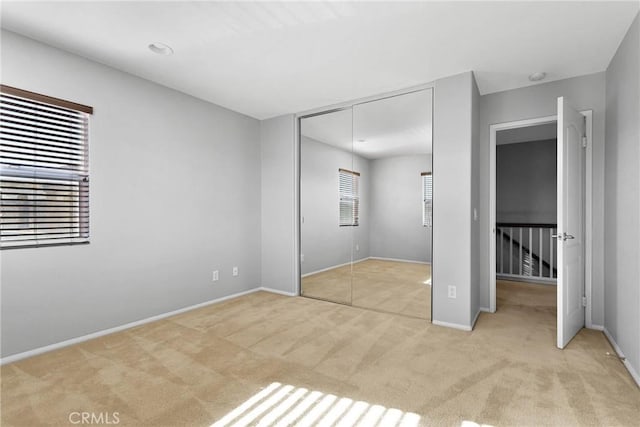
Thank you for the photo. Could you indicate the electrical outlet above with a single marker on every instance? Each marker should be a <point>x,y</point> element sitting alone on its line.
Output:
<point>301,257</point>
<point>357,248</point>
<point>216,276</point>
<point>452,292</point>
<point>235,271</point>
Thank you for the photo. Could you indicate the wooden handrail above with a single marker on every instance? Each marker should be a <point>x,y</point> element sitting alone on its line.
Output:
<point>525,225</point>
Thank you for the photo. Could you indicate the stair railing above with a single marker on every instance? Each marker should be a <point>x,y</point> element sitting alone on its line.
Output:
<point>526,252</point>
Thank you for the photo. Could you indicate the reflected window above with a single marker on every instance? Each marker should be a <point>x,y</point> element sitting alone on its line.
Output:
<point>349,183</point>
<point>427,199</point>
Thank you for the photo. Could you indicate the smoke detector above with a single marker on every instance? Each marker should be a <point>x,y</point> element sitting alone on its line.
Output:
<point>160,48</point>
<point>536,77</point>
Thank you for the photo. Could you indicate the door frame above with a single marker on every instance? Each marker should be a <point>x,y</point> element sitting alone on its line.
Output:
<point>493,129</point>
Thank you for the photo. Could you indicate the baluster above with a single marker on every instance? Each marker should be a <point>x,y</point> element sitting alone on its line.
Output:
<point>510,250</point>
<point>501,250</point>
<point>530,251</point>
<point>552,231</point>
<point>540,256</point>
<point>520,249</point>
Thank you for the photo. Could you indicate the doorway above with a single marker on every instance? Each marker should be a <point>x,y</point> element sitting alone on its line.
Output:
<point>526,204</point>
<point>526,220</point>
<point>524,249</point>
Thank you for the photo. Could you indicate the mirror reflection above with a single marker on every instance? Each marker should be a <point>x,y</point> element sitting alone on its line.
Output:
<point>327,218</point>
<point>366,205</point>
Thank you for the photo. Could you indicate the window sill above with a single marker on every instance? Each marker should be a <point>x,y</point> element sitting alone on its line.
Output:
<point>43,245</point>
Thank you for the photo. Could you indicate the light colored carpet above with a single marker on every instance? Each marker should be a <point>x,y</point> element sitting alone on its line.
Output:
<point>390,286</point>
<point>195,368</point>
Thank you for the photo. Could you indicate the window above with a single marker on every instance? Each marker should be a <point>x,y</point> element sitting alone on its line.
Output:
<point>349,197</point>
<point>427,199</point>
<point>44,170</point>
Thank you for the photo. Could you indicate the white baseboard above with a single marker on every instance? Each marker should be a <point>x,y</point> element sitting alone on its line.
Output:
<point>279,292</point>
<point>399,260</point>
<point>77,340</point>
<point>452,325</point>
<point>364,259</point>
<point>486,309</point>
<point>595,327</point>
<point>626,363</point>
<point>475,319</point>
<point>334,266</point>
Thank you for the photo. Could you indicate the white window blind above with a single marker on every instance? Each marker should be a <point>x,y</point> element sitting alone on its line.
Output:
<point>427,199</point>
<point>349,197</point>
<point>44,170</point>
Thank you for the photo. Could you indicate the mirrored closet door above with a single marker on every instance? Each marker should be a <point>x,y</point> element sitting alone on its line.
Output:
<point>330,203</point>
<point>365,204</point>
<point>394,136</point>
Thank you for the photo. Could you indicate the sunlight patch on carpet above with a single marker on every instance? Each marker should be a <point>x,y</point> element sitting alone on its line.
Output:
<point>284,405</point>
<point>466,423</point>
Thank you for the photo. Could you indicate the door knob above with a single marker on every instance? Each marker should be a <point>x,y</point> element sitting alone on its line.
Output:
<point>562,236</point>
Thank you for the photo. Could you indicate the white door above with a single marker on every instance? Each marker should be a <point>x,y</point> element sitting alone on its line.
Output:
<point>570,240</point>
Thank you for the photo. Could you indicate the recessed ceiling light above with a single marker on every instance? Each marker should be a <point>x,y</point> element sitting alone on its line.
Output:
<point>160,48</point>
<point>536,77</point>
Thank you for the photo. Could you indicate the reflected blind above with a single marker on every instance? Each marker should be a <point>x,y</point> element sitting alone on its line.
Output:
<point>349,197</point>
<point>44,170</point>
<point>427,199</point>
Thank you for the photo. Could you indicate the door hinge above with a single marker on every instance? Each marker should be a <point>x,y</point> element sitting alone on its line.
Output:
<point>584,142</point>
<point>584,301</point>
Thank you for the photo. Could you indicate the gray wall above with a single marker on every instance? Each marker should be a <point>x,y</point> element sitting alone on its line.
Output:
<point>277,146</point>
<point>584,93</point>
<point>323,242</point>
<point>526,182</point>
<point>622,198</point>
<point>396,229</point>
<point>452,198</point>
<point>175,194</point>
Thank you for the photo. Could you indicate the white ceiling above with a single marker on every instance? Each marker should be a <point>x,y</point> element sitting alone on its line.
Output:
<point>331,128</point>
<point>270,58</point>
<point>396,126</point>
